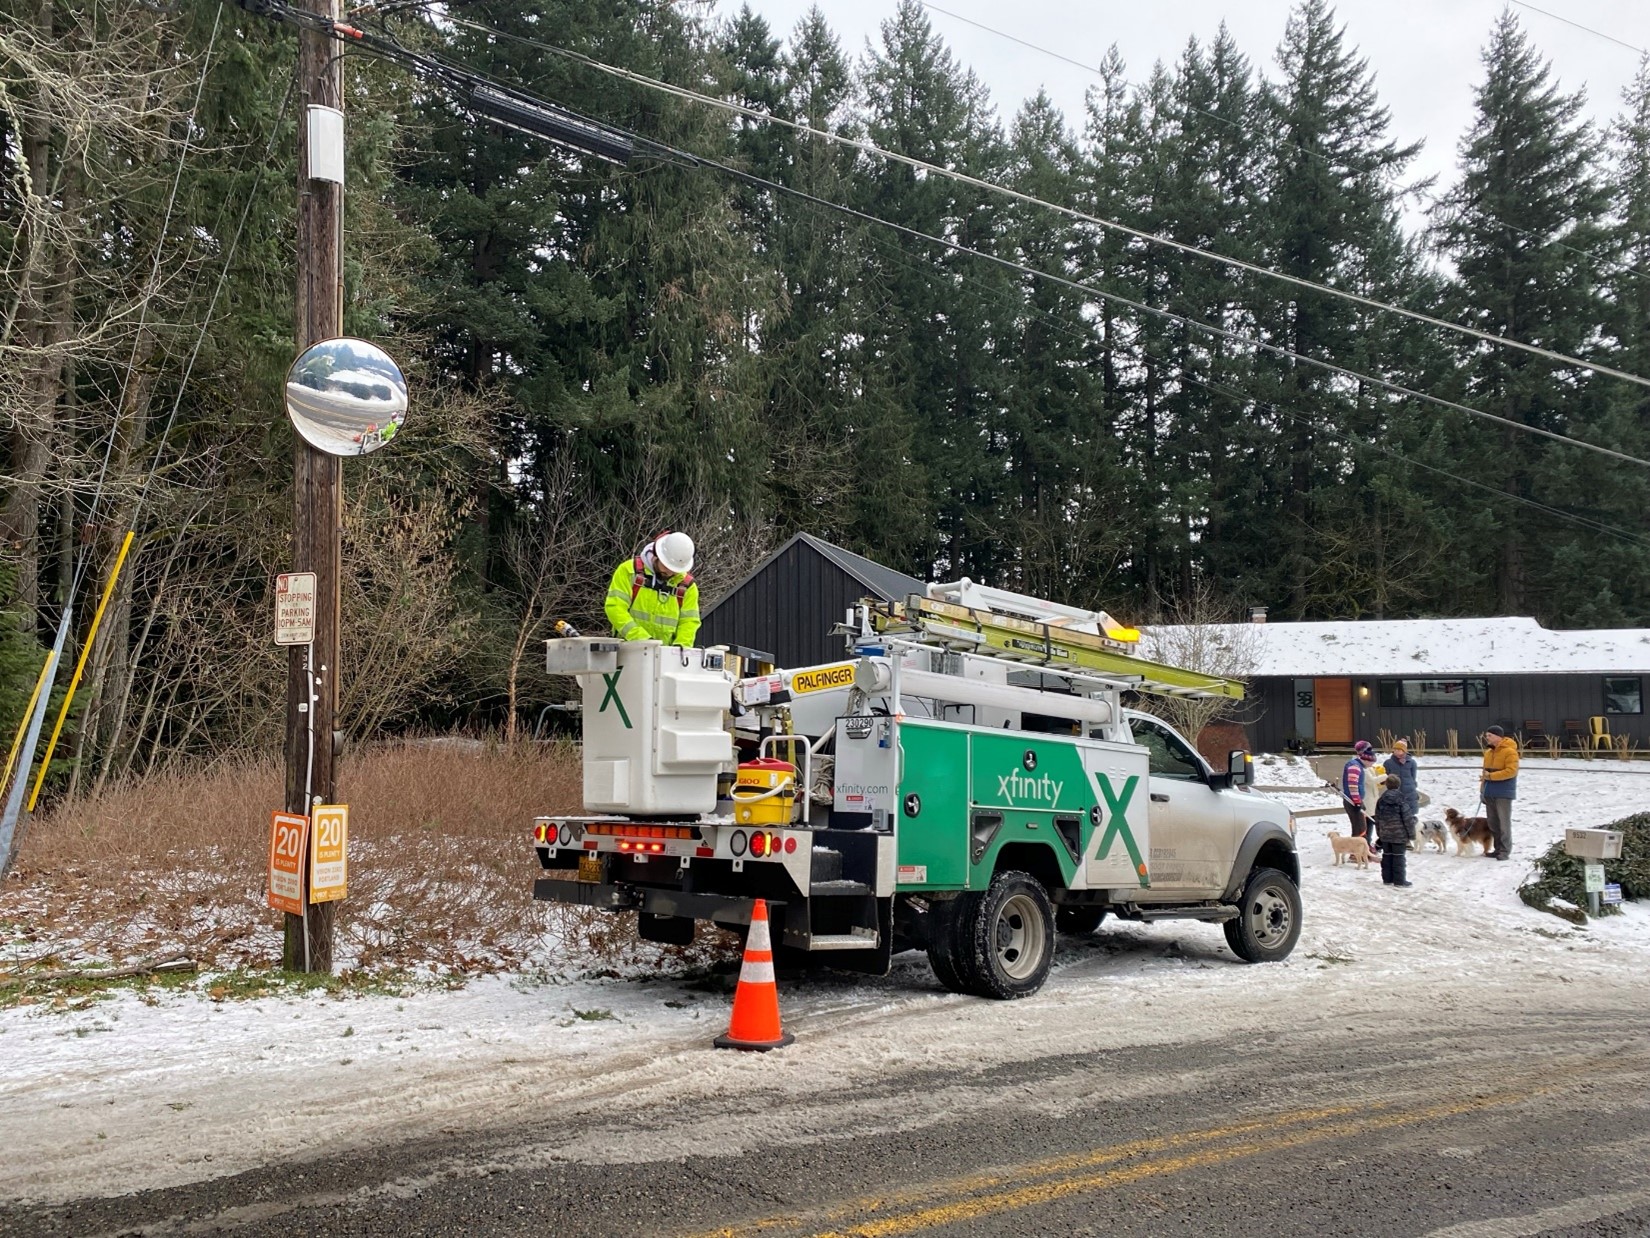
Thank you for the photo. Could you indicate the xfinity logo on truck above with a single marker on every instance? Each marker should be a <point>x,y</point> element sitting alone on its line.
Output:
<point>1018,787</point>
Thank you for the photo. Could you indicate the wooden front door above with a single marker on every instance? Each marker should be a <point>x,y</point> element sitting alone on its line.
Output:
<point>1332,711</point>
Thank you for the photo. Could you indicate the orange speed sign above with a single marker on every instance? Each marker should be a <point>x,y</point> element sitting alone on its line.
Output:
<point>288,841</point>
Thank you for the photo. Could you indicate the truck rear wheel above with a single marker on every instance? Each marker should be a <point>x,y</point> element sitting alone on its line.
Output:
<point>1013,938</point>
<point>950,928</point>
<point>1268,923</point>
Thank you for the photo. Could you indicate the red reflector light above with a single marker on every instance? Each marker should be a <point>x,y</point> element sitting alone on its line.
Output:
<point>790,845</point>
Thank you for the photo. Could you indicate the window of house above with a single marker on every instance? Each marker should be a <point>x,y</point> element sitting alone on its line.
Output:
<point>1623,695</point>
<point>1431,693</point>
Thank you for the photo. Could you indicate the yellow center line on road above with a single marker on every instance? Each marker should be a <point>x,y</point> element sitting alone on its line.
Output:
<point>1321,1124</point>
<point>1038,1169</point>
<point>1049,1192</point>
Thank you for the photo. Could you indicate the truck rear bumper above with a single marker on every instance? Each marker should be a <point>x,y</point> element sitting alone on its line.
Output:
<point>719,908</point>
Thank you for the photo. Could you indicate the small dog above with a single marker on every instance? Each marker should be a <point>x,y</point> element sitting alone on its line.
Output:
<point>1355,848</point>
<point>1469,830</point>
<point>1432,832</point>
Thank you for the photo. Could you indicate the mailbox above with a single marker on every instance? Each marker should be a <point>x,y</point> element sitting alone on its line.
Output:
<point>1593,844</point>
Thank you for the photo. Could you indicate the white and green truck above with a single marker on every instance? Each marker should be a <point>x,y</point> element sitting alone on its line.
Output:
<point>967,780</point>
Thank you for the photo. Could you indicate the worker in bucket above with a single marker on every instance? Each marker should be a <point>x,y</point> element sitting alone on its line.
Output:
<point>652,596</point>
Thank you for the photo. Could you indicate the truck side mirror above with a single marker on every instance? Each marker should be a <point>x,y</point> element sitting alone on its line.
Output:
<point>1240,771</point>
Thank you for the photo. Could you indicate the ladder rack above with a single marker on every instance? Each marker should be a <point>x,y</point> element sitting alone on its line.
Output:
<point>1044,646</point>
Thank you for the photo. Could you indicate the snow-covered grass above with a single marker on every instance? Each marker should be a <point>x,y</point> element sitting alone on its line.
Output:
<point>174,865</point>
<point>145,1090</point>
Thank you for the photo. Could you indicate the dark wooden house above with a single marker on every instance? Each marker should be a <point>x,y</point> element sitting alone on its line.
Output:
<point>1328,684</point>
<point>790,603</point>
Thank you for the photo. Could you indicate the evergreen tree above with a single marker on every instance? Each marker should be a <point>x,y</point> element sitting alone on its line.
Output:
<point>1330,218</point>
<point>933,345</point>
<point>1519,227</point>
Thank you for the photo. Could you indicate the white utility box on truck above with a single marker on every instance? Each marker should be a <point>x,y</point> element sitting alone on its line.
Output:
<point>655,724</point>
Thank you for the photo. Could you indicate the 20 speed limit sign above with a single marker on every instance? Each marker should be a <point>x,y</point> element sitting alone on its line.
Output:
<point>328,853</point>
<point>288,842</point>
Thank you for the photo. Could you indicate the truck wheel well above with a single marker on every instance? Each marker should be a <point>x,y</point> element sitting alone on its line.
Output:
<point>1275,854</point>
<point>1035,860</point>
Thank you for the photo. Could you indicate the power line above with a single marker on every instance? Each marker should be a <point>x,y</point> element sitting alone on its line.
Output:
<point>1139,234</point>
<point>1342,436</point>
<point>454,75</point>
<point>1275,139</point>
<point>1608,38</point>
<point>1141,307</point>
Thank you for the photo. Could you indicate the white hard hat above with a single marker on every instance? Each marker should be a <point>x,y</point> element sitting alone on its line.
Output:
<point>674,551</point>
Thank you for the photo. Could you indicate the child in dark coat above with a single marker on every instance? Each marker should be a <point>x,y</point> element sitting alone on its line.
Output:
<point>1395,826</point>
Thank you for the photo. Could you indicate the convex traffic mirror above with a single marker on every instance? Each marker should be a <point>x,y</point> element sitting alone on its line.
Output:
<point>346,397</point>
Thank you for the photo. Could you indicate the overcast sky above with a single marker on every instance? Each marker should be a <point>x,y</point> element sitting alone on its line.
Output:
<point>1425,53</point>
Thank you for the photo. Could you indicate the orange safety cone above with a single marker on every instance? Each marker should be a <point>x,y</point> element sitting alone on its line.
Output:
<point>755,1021</point>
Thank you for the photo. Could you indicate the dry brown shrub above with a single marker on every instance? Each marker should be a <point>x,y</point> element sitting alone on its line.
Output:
<point>441,867</point>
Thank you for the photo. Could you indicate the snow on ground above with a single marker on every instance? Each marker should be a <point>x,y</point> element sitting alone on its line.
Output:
<point>125,1094</point>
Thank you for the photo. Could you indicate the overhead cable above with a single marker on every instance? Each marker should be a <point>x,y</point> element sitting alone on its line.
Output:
<point>469,80</point>
<point>1140,234</point>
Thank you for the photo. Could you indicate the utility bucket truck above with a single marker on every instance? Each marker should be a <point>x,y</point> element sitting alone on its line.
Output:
<point>967,780</point>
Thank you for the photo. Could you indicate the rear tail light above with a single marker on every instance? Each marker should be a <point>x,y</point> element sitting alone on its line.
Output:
<point>759,844</point>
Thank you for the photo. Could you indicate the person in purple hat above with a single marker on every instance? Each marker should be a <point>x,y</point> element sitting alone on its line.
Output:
<point>1359,790</point>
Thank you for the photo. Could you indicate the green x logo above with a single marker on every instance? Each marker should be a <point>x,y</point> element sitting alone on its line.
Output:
<point>612,682</point>
<point>1117,807</point>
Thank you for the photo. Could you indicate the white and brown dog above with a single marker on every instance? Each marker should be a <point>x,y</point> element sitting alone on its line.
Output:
<point>1355,848</point>
<point>1469,830</point>
<point>1432,832</point>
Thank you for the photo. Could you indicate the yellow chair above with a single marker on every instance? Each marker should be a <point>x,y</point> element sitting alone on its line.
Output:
<point>1598,729</point>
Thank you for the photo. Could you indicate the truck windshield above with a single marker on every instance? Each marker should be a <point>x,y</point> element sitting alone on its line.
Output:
<point>1169,757</point>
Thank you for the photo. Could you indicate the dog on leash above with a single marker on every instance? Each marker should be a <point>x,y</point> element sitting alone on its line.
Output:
<point>1431,832</point>
<point>1469,830</point>
<point>1355,848</point>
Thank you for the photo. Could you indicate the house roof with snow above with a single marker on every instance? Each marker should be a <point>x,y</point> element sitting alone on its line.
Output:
<point>1410,647</point>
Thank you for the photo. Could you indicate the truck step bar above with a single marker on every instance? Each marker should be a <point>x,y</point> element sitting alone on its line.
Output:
<point>838,888</point>
<point>859,939</point>
<point>1211,915</point>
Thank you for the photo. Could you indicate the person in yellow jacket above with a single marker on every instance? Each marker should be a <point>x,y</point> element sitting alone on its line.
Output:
<point>1499,785</point>
<point>652,595</point>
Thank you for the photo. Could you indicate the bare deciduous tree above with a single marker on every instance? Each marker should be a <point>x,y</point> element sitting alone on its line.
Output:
<point>1203,632</point>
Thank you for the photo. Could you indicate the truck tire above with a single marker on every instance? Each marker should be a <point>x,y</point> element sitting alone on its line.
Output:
<point>1268,923</point>
<point>1013,938</point>
<point>950,928</point>
<point>1078,921</point>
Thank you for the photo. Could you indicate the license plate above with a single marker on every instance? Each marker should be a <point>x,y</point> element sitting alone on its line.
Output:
<point>590,868</point>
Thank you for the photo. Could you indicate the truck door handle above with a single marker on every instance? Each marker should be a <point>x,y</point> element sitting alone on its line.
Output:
<point>1159,798</point>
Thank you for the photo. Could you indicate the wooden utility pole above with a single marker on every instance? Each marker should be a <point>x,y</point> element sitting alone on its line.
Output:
<point>317,491</point>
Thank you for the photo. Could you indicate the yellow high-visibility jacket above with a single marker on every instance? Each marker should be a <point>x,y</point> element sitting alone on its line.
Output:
<point>644,606</point>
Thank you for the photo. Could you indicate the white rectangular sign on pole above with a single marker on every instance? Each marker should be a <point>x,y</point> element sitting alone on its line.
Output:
<point>295,608</point>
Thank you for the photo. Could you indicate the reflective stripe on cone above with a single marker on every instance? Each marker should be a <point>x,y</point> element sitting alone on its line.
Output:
<point>755,1021</point>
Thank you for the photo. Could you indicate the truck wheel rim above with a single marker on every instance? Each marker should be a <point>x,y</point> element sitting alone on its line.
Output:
<point>1020,937</point>
<point>1269,916</point>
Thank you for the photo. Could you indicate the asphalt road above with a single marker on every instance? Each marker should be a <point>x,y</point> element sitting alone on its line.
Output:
<point>1505,1123</point>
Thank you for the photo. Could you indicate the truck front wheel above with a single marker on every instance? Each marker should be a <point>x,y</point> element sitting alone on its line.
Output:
<point>1013,938</point>
<point>1268,923</point>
